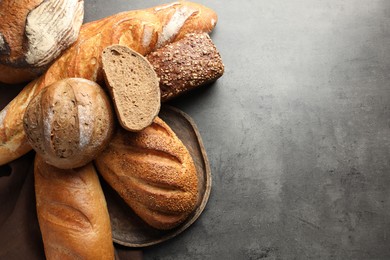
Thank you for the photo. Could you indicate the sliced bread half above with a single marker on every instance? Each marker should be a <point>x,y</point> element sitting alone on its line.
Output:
<point>133,85</point>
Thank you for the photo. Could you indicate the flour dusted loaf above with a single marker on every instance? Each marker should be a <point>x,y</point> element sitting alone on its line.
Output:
<point>186,64</point>
<point>153,172</point>
<point>69,122</point>
<point>142,30</point>
<point>133,86</point>
<point>72,213</point>
<point>35,32</point>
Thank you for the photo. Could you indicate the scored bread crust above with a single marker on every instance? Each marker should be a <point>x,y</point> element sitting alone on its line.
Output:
<point>27,47</point>
<point>69,122</point>
<point>133,86</point>
<point>72,213</point>
<point>12,23</point>
<point>153,172</point>
<point>142,30</point>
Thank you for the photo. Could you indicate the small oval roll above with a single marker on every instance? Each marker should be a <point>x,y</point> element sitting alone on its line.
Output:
<point>69,122</point>
<point>72,213</point>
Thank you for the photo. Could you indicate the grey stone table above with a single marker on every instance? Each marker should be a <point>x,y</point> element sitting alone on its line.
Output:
<point>297,132</point>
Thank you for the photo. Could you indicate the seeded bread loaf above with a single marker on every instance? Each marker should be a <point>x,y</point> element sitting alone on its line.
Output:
<point>133,86</point>
<point>186,64</point>
<point>153,172</point>
<point>69,122</point>
<point>27,47</point>
<point>72,213</point>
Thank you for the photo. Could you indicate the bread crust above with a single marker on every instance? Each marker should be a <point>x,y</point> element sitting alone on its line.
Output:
<point>139,30</point>
<point>72,213</point>
<point>186,64</point>
<point>69,122</point>
<point>27,48</point>
<point>153,172</point>
<point>13,21</point>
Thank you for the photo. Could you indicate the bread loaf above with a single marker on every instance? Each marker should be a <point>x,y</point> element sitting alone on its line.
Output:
<point>27,47</point>
<point>69,122</point>
<point>72,213</point>
<point>133,86</point>
<point>186,64</point>
<point>143,31</point>
<point>13,141</point>
<point>153,172</point>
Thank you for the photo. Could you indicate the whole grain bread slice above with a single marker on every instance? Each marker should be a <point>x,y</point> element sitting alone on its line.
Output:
<point>133,85</point>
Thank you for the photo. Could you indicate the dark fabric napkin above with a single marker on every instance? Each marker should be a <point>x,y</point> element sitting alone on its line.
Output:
<point>20,237</point>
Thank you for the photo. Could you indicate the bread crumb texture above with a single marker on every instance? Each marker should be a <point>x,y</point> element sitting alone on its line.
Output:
<point>133,85</point>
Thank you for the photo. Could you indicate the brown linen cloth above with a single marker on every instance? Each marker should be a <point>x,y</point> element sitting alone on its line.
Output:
<point>20,237</point>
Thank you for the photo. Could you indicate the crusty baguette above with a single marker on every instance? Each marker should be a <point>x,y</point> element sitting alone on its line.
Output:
<point>153,172</point>
<point>186,64</point>
<point>69,122</point>
<point>27,47</point>
<point>133,86</point>
<point>72,213</point>
<point>13,140</point>
<point>143,31</point>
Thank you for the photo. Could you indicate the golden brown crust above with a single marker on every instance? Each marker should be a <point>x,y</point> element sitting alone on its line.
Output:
<point>72,213</point>
<point>69,122</point>
<point>153,172</point>
<point>186,64</point>
<point>139,30</point>
<point>13,141</point>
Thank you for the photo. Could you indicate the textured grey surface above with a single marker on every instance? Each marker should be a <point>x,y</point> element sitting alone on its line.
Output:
<point>297,132</point>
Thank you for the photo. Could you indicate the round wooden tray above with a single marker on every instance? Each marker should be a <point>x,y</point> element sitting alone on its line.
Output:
<point>127,228</point>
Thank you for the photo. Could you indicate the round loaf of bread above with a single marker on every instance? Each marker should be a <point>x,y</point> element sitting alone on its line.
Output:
<point>35,32</point>
<point>69,122</point>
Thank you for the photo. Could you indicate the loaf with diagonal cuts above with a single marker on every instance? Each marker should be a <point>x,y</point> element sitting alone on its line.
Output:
<point>153,172</point>
<point>142,30</point>
<point>72,213</point>
<point>69,122</point>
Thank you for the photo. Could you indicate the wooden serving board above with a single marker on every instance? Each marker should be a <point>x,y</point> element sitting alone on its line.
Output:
<point>127,228</point>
